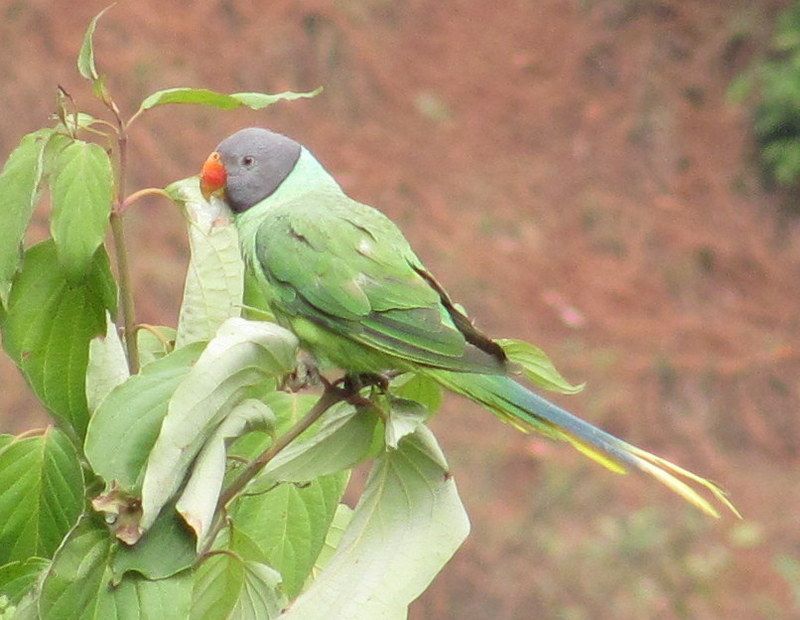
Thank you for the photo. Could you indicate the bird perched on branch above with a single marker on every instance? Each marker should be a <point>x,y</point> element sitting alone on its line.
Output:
<point>344,279</point>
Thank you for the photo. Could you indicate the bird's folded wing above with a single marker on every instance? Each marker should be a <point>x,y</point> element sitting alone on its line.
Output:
<point>348,269</point>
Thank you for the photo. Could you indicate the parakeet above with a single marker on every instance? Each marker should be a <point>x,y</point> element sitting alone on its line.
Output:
<point>343,278</point>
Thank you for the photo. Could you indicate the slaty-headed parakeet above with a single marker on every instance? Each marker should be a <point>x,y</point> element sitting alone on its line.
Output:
<point>343,278</point>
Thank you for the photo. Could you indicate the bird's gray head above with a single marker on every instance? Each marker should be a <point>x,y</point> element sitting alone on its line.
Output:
<point>249,165</point>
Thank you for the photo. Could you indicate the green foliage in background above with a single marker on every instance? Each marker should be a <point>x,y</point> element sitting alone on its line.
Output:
<point>775,82</point>
<point>179,479</point>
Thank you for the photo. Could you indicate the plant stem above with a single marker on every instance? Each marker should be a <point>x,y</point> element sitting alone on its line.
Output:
<point>147,191</point>
<point>330,397</point>
<point>125,285</point>
<point>165,342</point>
<point>136,115</point>
<point>125,292</point>
<point>100,121</point>
<point>31,432</point>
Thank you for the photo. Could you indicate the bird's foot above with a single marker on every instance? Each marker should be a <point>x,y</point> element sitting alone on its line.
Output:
<point>353,384</point>
<point>305,374</point>
<point>357,382</point>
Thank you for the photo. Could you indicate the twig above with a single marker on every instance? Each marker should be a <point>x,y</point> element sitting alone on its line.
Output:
<point>97,132</point>
<point>330,397</point>
<point>228,552</point>
<point>31,432</point>
<point>165,342</point>
<point>147,191</point>
<point>100,121</point>
<point>136,115</point>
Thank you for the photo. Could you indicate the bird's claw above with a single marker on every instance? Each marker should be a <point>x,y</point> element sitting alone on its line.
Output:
<point>305,374</point>
<point>357,382</point>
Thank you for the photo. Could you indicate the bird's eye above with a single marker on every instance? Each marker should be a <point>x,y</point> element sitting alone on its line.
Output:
<point>248,161</point>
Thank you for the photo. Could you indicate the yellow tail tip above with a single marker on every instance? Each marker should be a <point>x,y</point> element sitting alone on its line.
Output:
<point>674,477</point>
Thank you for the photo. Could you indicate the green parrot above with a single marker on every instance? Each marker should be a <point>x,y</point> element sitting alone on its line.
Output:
<point>343,278</point>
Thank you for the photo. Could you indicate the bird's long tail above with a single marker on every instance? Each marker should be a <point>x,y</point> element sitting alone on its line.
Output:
<point>528,411</point>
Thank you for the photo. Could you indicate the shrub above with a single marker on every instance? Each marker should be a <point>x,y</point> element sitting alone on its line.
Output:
<point>776,114</point>
<point>180,480</point>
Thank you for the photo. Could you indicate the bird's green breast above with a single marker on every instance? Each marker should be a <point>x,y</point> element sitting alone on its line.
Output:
<point>307,176</point>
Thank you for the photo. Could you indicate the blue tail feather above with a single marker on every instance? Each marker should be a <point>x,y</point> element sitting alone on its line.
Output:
<point>516,404</point>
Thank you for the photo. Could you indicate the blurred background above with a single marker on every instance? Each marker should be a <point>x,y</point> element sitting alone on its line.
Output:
<point>590,175</point>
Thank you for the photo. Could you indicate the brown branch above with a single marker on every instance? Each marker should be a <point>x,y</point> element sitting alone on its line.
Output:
<point>330,397</point>
<point>120,249</point>
<point>126,292</point>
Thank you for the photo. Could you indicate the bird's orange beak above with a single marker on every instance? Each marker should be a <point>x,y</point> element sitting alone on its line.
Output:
<point>213,175</point>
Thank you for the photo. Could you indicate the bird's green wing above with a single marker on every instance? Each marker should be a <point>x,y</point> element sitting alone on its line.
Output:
<point>346,267</point>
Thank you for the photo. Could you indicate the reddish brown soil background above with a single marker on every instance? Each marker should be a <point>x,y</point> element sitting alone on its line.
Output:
<point>573,172</point>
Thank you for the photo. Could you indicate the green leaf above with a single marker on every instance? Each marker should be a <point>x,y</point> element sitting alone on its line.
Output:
<point>198,502</point>
<point>227,587</point>
<point>49,325</point>
<point>5,440</point>
<point>136,597</point>
<point>79,584</point>
<point>79,573</point>
<point>242,354</point>
<point>289,524</point>
<point>154,341</point>
<point>19,187</point>
<point>107,366</point>
<point>25,610</point>
<point>341,519</point>
<point>165,550</point>
<point>250,445</point>
<point>289,407</point>
<point>406,526</point>
<point>203,96</point>
<point>16,578</point>
<point>419,388</point>
<point>257,101</point>
<point>536,366</point>
<point>86,65</point>
<point>254,299</point>
<point>215,277</point>
<point>241,544</point>
<point>344,438</point>
<point>81,192</point>
<point>42,495</point>
<point>100,90</point>
<point>404,417</point>
<point>71,122</point>
<point>125,426</point>
<point>58,142</point>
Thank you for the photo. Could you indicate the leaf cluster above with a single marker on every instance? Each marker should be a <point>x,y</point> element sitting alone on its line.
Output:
<point>180,480</point>
<point>776,111</point>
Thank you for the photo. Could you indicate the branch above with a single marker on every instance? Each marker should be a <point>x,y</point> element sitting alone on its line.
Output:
<point>125,284</point>
<point>136,115</point>
<point>126,292</point>
<point>147,191</point>
<point>330,397</point>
